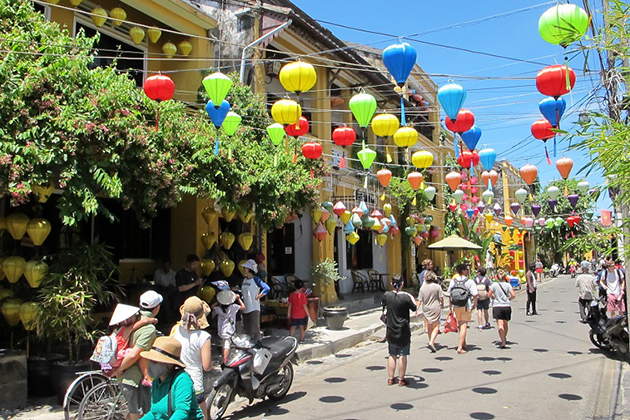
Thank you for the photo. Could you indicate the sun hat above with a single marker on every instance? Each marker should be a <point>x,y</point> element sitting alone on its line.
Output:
<point>165,350</point>
<point>150,299</point>
<point>197,308</point>
<point>226,297</point>
<point>251,264</point>
<point>122,313</point>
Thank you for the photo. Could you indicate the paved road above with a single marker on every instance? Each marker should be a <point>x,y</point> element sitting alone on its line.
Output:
<point>551,370</point>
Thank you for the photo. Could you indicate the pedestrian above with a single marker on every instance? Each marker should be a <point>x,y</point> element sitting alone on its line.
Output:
<point>298,311</point>
<point>614,284</point>
<point>600,281</point>
<point>539,270</point>
<point>226,310</point>
<point>489,262</point>
<point>587,285</point>
<point>188,281</point>
<point>173,392</point>
<point>398,304</point>
<point>462,293</point>
<point>253,289</point>
<point>585,265</point>
<point>483,301</point>
<point>195,344</point>
<point>427,265</point>
<point>531,291</point>
<point>431,298</point>
<point>501,293</point>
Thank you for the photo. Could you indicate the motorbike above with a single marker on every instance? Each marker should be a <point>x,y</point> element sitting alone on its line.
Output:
<point>572,271</point>
<point>555,270</point>
<point>607,334</point>
<point>254,370</point>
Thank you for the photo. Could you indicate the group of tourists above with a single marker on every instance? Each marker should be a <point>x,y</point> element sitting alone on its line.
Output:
<point>608,282</point>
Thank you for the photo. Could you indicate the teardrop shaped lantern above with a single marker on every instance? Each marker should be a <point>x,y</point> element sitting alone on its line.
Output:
<point>451,97</point>
<point>384,176</point>
<point>399,60</point>
<point>227,239</point>
<point>553,192</point>
<point>529,173</point>
<point>453,179</point>
<point>217,86</point>
<point>286,111</point>
<point>231,123</point>
<point>169,49</point>
<point>43,191</point>
<point>228,213</point>
<point>11,311</point>
<point>99,16</point>
<point>583,186</point>
<point>471,137</point>
<point>209,214</point>
<point>38,230</point>
<point>487,158</point>
<point>207,266</point>
<point>137,34</point>
<point>154,34</point>
<point>521,195</point>
<point>415,179</point>
<point>117,14</point>
<point>185,48</point>
<point>298,77</point>
<point>13,268</point>
<point>28,315</point>
<point>208,240</point>
<point>430,193</point>
<point>564,165</point>
<point>227,267</point>
<point>35,271</point>
<point>331,225</point>
<point>563,24</point>
<point>16,225</point>
<point>552,109</point>
<point>363,106</point>
<point>276,133</point>
<point>245,240</point>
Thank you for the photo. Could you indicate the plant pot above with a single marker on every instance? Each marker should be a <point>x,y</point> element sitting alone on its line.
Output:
<point>62,374</point>
<point>335,317</point>
<point>39,376</point>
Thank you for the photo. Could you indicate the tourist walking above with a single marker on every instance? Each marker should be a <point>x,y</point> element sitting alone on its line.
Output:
<point>431,298</point>
<point>587,285</point>
<point>398,305</point>
<point>614,284</point>
<point>539,270</point>
<point>501,293</point>
<point>483,301</point>
<point>252,289</point>
<point>427,266</point>
<point>531,291</point>
<point>462,293</point>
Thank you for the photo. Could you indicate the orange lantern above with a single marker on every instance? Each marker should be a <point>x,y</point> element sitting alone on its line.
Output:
<point>508,220</point>
<point>491,175</point>
<point>384,176</point>
<point>16,225</point>
<point>320,233</point>
<point>564,165</point>
<point>529,173</point>
<point>38,230</point>
<point>453,179</point>
<point>415,179</point>
<point>418,240</point>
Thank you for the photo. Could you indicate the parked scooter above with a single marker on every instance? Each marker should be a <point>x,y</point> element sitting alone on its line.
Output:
<point>254,370</point>
<point>607,334</point>
<point>555,270</point>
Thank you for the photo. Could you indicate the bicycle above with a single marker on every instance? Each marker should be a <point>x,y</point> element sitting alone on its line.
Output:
<point>77,390</point>
<point>94,396</point>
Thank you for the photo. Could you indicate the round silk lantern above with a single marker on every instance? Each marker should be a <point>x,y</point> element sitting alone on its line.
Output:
<point>298,129</point>
<point>207,267</point>
<point>99,16</point>
<point>43,191</point>
<point>169,49</point>
<point>208,240</point>
<point>28,315</point>
<point>399,60</point>
<point>490,176</point>
<point>231,123</point>
<point>217,86</point>
<point>298,77</point>
<point>227,239</point>
<point>35,271</point>
<point>464,122</point>
<point>405,137</point>
<point>245,240</point>
<point>16,225</point>
<point>387,209</point>
<point>363,106</point>
<point>117,14</point>
<point>11,311</point>
<point>38,230</point>
<point>209,214</point>
<point>159,87</point>
<point>276,133</point>
<point>529,173</point>
<point>13,268</point>
<point>353,238</point>
<point>385,125</point>
<point>487,196</point>
<point>422,159</point>
<point>451,96</point>
<point>227,267</point>
<point>553,80</point>
<point>154,34</point>
<point>542,130</point>
<point>563,24</point>
<point>415,179</point>
<point>185,47</point>
<point>564,166</point>
<point>384,176</point>
<point>312,150</point>
<point>286,111</point>
<point>583,186</point>
<point>453,180</point>
<point>228,213</point>
<point>458,196</point>
<point>344,136</point>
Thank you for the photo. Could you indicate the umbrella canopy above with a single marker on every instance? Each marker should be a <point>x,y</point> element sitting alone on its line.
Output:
<point>453,242</point>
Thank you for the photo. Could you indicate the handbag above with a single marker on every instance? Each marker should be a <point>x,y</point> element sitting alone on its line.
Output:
<point>451,323</point>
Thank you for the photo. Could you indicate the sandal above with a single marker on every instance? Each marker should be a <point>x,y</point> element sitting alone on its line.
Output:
<point>391,381</point>
<point>403,382</point>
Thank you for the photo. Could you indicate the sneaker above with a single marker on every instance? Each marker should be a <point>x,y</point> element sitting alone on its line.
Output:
<point>480,328</point>
<point>487,326</point>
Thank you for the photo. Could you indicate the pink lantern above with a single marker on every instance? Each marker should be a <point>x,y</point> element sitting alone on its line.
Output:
<point>435,233</point>
<point>425,235</point>
<point>325,215</point>
<point>320,233</point>
<point>529,222</point>
<point>394,230</point>
<point>541,221</point>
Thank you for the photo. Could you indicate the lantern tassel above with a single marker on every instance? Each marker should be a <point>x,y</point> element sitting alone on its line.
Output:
<point>489,186</point>
<point>365,181</point>
<point>402,110</point>
<point>342,162</point>
<point>388,155</point>
<point>455,146</point>
<point>566,71</point>
<point>472,170</point>
<point>295,156</point>
<point>216,145</point>
<point>554,147</point>
<point>547,154</point>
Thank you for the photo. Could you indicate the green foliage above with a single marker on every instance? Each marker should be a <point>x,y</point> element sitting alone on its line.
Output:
<point>324,273</point>
<point>584,205</point>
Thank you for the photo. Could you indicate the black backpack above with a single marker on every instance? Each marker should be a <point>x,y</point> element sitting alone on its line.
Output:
<point>459,293</point>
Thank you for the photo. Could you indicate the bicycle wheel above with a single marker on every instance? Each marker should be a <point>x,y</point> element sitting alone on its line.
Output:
<point>103,402</point>
<point>77,390</point>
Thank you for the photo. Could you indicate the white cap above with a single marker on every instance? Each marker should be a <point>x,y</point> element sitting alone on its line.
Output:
<point>122,313</point>
<point>251,264</point>
<point>150,299</point>
<point>226,297</point>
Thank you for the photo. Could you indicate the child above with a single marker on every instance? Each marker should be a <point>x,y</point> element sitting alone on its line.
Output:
<point>226,310</point>
<point>298,312</point>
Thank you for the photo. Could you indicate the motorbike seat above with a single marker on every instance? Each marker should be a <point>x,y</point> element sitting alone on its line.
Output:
<point>278,347</point>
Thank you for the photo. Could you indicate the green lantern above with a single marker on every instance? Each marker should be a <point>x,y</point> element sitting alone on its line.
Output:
<point>368,222</point>
<point>231,123</point>
<point>563,24</point>
<point>458,195</point>
<point>277,133</point>
<point>363,106</point>
<point>521,195</point>
<point>366,156</point>
<point>217,85</point>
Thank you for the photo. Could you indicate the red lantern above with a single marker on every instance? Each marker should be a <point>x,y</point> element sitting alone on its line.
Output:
<point>159,87</point>
<point>475,158</point>
<point>312,150</point>
<point>418,240</point>
<point>344,136</point>
<point>542,130</point>
<point>464,159</point>
<point>570,221</point>
<point>299,130</point>
<point>425,235</point>
<point>452,206</point>
<point>464,122</point>
<point>384,176</point>
<point>394,230</point>
<point>552,80</point>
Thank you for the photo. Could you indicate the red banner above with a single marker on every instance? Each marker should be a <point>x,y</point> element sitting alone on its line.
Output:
<point>606,217</point>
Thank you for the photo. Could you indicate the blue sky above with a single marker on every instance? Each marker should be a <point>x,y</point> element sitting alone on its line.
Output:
<point>504,109</point>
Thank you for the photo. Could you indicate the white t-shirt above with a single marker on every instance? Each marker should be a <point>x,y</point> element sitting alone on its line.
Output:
<point>472,288</point>
<point>192,341</point>
<point>227,320</point>
<point>160,278</point>
<point>250,289</point>
<point>501,294</point>
<point>613,282</point>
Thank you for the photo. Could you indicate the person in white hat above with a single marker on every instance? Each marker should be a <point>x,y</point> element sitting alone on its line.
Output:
<point>150,300</point>
<point>253,288</point>
<point>226,310</point>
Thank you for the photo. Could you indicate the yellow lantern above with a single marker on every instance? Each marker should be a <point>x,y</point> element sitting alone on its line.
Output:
<point>185,47</point>
<point>245,217</point>
<point>227,267</point>
<point>422,159</point>
<point>227,239</point>
<point>228,213</point>
<point>137,35</point>
<point>209,214</point>
<point>208,240</point>
<point>489,216</point>
<point>316,214</point>
<point>207,267</point>
<point>387,209</point>
<point>385,125</point>
<point>169,49</point>
<point>11,311</point>
<point>118,15</point>
<point>298,77</point>
<point>241,268</point>
<point>13,268</point>
<point>43,191</point>
<point>154,34</point>
<point>99,16</point>
<point>28,314</point>
<point>346,216</point>
<point>5,293</point>
<point>405,137</point>
<point>377,224</point>
<point>286,111</point>
<point>245,240</point>
<point>38,230</point>
<point>353,238</point>
<point>16,225</point>
<point>381,239</point>
<point>207,293</point>
<point>35,272</point>
<point>75,3</point>
<point>331,225</point>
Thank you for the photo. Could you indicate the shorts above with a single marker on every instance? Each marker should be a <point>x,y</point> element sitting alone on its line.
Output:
<point>615,305</point>
<point>201,397</point>
<point>539,270</point>
<point>483,304</point>
<point>396,351</point>
<point>138,398</point>
<point>299,322</point>
<point>502,312</point>
<point>462,314</point>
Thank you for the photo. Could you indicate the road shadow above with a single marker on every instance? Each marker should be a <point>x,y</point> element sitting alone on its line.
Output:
<point>570,397</point>
<point>266,408</point>
<point>482,416</point>
<point>484,390</point>
<point>558,375</point>
<point>401,406</point>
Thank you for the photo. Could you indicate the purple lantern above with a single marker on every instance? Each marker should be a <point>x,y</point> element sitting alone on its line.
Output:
<point>552,204</point>
<point>573,199</point>
<point>497,209</point>
<point>535,209</point>
<point>481,206</point>
<point>515,207</point>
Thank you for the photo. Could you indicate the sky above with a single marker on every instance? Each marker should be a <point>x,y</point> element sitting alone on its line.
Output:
<point>500,92</point>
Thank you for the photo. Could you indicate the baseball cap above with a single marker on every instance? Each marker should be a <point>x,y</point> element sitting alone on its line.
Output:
<point>150,299</point>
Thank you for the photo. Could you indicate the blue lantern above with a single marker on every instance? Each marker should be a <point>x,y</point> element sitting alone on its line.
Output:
<point>217,116</point>
<point>552,109</point>
<point>487,158</point>
<point>348,228</point>
<point>471,137</point>
<point>399,60</point>
<point>451,97</point>
<point>470,212</point>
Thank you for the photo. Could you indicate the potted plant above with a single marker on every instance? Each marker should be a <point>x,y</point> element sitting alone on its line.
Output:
<point>79,279</point>
<point>323,275</point>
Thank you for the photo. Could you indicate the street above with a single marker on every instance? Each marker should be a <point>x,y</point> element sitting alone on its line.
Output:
<point>549,370</point>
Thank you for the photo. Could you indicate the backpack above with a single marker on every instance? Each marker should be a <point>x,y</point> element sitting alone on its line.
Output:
<point>105,350</point>
<point>459,293</point>
<point>482,293</point>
